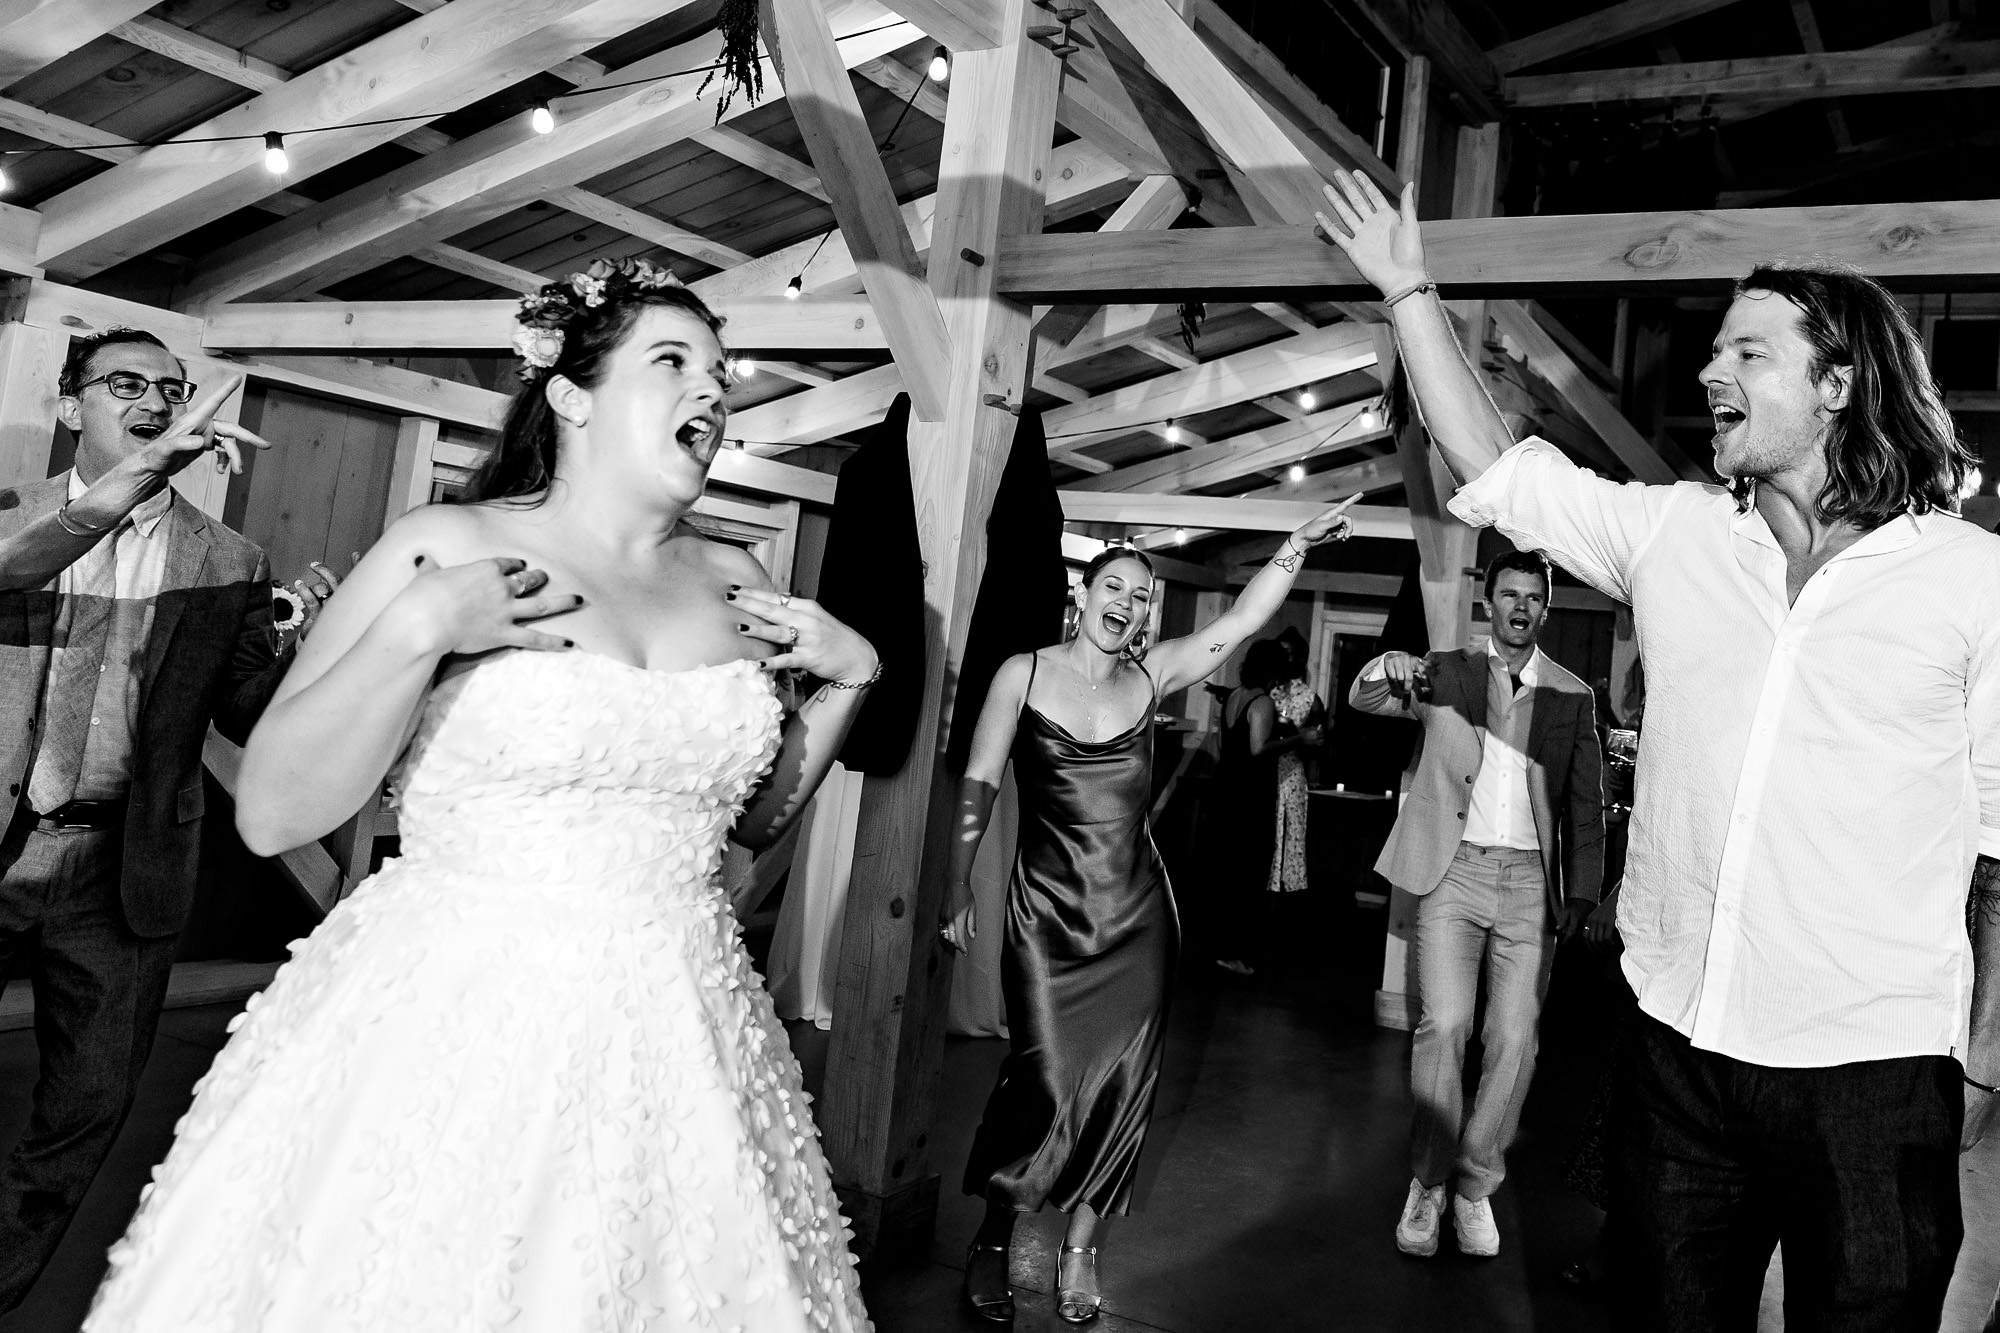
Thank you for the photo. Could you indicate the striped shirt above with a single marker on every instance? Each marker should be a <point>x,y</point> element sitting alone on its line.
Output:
<point>1815,779</point>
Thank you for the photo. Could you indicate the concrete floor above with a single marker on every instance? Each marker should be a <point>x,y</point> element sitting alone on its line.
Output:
<point>1271,1185</point>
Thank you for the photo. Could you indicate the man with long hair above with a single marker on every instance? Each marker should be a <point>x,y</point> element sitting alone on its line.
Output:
<point>1818,1026</point>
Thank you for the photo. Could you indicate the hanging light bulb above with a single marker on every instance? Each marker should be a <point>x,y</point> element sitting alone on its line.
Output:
<point>5,185</point>
<point>1180,536</point>
<point>742,368</point>
<point>940,69</point>
<point>1173,432</point>
<point>1308,400</point>
<point>1296,473</point>
<point>1970,486</point>
<point>1368,420</point>
<point>541,119</point>
<point>275,160</point>
<point>793,288</point>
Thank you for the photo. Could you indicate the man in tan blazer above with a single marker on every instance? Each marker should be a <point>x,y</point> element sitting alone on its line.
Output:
<point>1502,841</point>
<point>129,620</point>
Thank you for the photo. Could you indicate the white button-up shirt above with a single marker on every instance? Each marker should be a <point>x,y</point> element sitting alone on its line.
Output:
<point>1814,780</point>
<point>1500,814</point>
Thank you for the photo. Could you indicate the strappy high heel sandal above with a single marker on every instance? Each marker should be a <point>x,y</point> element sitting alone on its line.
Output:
<point>996,1306</point>
<point>1073,1304</point>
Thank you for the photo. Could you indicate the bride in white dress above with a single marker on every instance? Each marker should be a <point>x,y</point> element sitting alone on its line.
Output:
<point>525,1077</point>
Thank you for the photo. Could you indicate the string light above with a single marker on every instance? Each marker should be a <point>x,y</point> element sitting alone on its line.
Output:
<point>275,160</point>
<point>795,287</point>
<point>1180,536</point>
<point>1368,420</point>
<point>743,368</point>
<point>1296,473</point>
<point>4,184</point>
<point>1308,400</point>
<point>541,119</point>
<point>1173,432</point>
<point>1970,486</point>
<point>940,69</point>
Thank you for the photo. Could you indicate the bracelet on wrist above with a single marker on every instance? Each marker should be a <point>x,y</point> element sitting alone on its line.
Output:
<point>75,529</point>
<point>1983,1087</point>
<point>873,676</point>
<point>1404,293</point>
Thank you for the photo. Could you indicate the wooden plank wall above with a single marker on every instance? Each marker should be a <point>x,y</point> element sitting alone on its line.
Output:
<point>322,490</point>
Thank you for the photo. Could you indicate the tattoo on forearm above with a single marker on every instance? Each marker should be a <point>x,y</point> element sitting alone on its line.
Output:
<point>1214,648</point>
<point>1983,902</point>
<point>1287,558</point>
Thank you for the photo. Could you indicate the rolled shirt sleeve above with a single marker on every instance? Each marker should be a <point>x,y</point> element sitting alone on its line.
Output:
<point>1594,528</point>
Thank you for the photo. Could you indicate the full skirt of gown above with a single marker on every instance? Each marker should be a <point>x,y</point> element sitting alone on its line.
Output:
<point>525,1077</point>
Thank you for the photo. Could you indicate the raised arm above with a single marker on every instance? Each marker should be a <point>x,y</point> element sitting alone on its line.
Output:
<point>1179,663</point>
<point>813,737</point>
<point>346,708</point>
<point>987,762</point>
<point>39,551</point>
<point>1387,246</point>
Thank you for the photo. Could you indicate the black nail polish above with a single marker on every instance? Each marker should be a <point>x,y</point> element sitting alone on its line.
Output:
<point>736,587</point>
<point>569,643</point>
<point>729,597</point>
<point>742,629</point>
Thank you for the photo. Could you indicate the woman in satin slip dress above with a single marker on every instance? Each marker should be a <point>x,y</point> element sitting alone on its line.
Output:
<point>1091,930</point>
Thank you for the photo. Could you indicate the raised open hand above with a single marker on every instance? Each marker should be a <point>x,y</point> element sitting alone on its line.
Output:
<point>1384,242</point>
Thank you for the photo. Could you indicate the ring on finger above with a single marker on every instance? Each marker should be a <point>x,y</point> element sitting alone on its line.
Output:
<point>784,599</point>
<point>793,637</point>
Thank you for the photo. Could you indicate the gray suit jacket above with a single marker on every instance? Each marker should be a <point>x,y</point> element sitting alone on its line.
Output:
<point>1565,766</point>
<point>211,656</point>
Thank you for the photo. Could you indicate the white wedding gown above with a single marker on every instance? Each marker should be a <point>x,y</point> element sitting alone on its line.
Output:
<point>525,1077</point>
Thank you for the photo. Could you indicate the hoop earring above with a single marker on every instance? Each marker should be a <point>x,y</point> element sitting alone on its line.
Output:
<point>1072,622</point>
<point>1136,650</point>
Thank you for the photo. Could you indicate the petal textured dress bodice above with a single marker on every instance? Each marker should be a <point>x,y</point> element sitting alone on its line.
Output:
<point>524,1077</point>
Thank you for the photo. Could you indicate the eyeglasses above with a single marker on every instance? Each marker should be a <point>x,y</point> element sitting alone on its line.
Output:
<point>131,384</point>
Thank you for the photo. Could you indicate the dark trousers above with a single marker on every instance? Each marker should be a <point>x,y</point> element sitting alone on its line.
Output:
<point>98,992</point>
<point>1852,1168</point>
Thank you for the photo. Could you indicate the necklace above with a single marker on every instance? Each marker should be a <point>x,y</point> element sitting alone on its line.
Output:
<point>1089,703</point>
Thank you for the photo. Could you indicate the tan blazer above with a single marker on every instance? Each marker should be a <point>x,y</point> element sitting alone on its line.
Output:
<point>211,656</point>
<point>1565,765</point>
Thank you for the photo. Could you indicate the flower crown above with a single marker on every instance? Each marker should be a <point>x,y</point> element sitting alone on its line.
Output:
<point>545,316</point>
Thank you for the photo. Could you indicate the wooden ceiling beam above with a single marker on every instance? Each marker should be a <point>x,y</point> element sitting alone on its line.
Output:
<point>1430,29</point>
<point>1080,177</point>
<point>1598,29</point>
<point>821,324</point>
<point>1368,477</point>
<point>577,69</point>
<point>818,414</point>
<point>1250,451</point>
<point>493,172</point>
<point>914,87</point>
<point>652,230</point>
<point>1155,204</point>
<point>836,132</point>
<point>436,62</point>
<point>1547,358</point>
<point>760,156</point>
<point>1941,243</point>
<point>18,229</point>
<point>34,34</point>
<point>470,264</point>
<point>226,62</point>
<point>1223,512</point>
<point>1235,378</point>
<point>1931,68</point>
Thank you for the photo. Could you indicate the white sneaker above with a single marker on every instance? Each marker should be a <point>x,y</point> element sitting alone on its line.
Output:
<point>1473,1220</point>
<point>1417,1230</point>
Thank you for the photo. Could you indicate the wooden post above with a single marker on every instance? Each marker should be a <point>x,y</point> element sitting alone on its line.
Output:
<point>888,1024</point>
<point>31,362</point>
<point>410,478</point>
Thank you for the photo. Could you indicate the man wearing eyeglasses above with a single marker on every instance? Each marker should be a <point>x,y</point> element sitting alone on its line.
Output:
<point>128,621</point>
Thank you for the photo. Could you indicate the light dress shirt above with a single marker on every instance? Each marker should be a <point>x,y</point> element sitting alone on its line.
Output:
<point>1814,780</point>
<point>133,562</point>
<point>1500,815</point>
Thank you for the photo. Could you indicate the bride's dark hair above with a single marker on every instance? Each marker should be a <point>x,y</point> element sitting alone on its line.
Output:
<point>566,335</point>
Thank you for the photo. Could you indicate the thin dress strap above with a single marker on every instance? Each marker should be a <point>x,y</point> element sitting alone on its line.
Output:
<point>1034,661</point>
